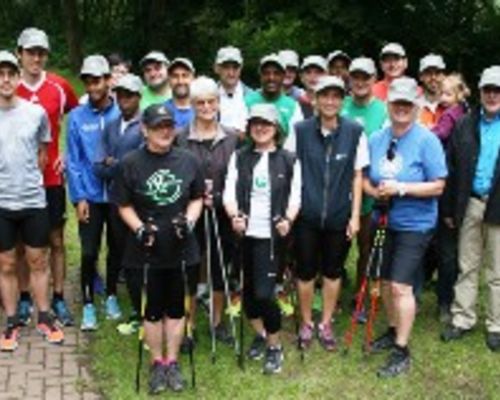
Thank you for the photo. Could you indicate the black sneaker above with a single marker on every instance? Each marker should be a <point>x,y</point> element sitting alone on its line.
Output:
<point>222,334</point>
<point>384,342</point>
<point>257,348</point>
<point>157,379</point>
<point>273,361</point>
<point>493,341</point>
<point>445,315</point>
<point>453,332</point>
<point>175,380</point>
<point>397,364</point>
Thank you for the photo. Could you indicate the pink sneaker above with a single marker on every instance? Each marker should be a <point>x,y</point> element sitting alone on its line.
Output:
<point>306,334</point>
<point>326,337</point>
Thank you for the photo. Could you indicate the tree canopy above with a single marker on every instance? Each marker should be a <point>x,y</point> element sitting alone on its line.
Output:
<point>463,31</point>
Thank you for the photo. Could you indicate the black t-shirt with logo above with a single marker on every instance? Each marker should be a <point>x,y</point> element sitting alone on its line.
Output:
<point>160,186</point>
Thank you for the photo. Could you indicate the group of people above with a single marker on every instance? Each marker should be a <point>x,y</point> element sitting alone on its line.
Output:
<point>197,180</point>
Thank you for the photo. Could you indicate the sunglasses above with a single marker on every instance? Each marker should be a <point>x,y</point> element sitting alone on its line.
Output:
<point>391,151</point>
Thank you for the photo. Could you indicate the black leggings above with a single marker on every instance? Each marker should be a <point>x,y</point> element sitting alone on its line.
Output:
<point>260,273</point>
<point>90,240</point>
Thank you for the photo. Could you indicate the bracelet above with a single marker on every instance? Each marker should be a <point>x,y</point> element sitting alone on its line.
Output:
<point>401,189</point>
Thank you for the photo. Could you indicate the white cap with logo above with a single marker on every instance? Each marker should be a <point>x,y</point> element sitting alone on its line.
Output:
<point>229,54</point>
<point>33,37</point>
<point>490,77</point>
<point>432,61</point>
<point>403,89</point>
<point>314,61</point>
<point>95,65</point>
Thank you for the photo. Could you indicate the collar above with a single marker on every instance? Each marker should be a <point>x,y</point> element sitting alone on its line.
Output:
<point>484,120</point>
<point>37,85</point>
<point>104,110</point>
<point>193,136</point>
<point>238,91</point>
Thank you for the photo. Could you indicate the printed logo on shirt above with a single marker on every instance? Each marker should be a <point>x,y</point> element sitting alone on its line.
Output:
<point>389,169</point>
<point>260,182</point>
<point>163,187</point>
<point>90,127</point>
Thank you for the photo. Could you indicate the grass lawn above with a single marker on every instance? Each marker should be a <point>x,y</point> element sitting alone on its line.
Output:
<point>464,370</point>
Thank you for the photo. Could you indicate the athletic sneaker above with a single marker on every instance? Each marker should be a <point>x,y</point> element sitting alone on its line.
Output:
<point>157,378</point>
<point>273,361</point>
<point>175,380</point>
<point>50,332</point>
<point>397,364</point>
<point>24,310</point>
<point>257,348</point>
<point>222,334</point>
<point>326,337</point>
<point>62,313</point>
<point>384,342</point>
<point>9,338</point>
<point>89,318</point>
<point>306,334</point>
<point>113,311</point>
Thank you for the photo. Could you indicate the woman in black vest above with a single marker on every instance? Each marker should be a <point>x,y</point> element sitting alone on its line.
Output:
<point>262,198</point>
<point>332,151</point>
<point>212,144</point>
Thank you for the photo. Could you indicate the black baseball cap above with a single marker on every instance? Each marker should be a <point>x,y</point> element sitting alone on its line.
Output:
<point>155,114</point>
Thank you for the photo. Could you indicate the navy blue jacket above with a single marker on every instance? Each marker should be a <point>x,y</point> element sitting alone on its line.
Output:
<point>327,171</point>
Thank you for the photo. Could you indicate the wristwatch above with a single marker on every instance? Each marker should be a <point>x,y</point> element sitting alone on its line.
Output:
<point>401,189</point>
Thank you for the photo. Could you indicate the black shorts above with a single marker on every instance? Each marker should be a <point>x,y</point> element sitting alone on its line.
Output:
<point>165,292</point>
<point>403,255</point>
<point>30,225</point>
<point>56,206</point>
<point>319,250</point>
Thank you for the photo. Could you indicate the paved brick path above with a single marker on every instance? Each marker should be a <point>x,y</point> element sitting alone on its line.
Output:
<point>39,371</point>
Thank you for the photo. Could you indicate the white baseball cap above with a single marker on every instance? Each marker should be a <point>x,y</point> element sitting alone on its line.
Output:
<point>403,89</point>
<point>6,57</point>
<point>490,77</point>
<point>272,58</point>
<point>393,48</point>
<point>129,82</point>
<point>229,54</point>
<point>314,61</point>
<point>432,61</point>
<point>155,56</point>
<point>33,37</point>
<point>95,65</point>
<point>363,64</point>
<point>290,58</point>
<point>329,82</point>
<point>267,112</point>
<point>185,62</point>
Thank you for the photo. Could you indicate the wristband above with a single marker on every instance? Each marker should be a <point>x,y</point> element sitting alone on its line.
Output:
<point>401,189</point>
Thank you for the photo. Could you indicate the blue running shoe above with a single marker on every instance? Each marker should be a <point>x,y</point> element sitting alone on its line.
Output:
<point>89,318</point>
<point>113,311</point>
<point>24,310</point>
<point>62,313</point>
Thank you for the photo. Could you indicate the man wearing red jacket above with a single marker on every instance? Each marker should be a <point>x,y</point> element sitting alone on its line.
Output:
<point>56,96</point>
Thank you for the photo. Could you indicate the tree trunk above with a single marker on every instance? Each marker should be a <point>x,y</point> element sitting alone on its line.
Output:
<point>73,33</point>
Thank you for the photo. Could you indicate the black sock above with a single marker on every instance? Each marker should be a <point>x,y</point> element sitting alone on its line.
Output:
<point>391,331</point>
<point>25,296</point>
<point>58,296</point>
<point>403,349</point>
<point>12,321</point>
<point>43,317</point>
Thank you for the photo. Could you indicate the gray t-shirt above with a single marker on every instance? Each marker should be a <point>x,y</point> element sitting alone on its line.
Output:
<point>22,129</point>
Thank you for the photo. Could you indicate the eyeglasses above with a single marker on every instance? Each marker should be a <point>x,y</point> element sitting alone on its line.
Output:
<point>391,151</point>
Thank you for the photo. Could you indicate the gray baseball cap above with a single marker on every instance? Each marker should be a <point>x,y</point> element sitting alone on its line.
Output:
<point>329,82</point>
<point>393,48</point>
<point>129,82</point>
<point>338,54</point>
<point>432,61</point>
<point>490,77</point>
<point>153,56</point>
<point>267,112</point>
<point>272,58</point>
<point>6,57</point>
<point>314,61</point>
<point>289,58</point>
<point>95,65</point>
<point>185,62</point>
<point>229,54</point>
<point>363,64</point>
<point>403,89</point>
<point>33,37</point>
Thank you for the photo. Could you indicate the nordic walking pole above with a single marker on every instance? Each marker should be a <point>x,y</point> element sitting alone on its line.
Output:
<point>375,287</point>
<point>292,290</point>
<point>224,275</point>
<point>148,233</point>
<point>208,242</point>
<point>187,307</point>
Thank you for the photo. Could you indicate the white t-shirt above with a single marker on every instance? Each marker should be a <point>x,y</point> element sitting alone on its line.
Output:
<point>233,111</point>
<point>259,220</point>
